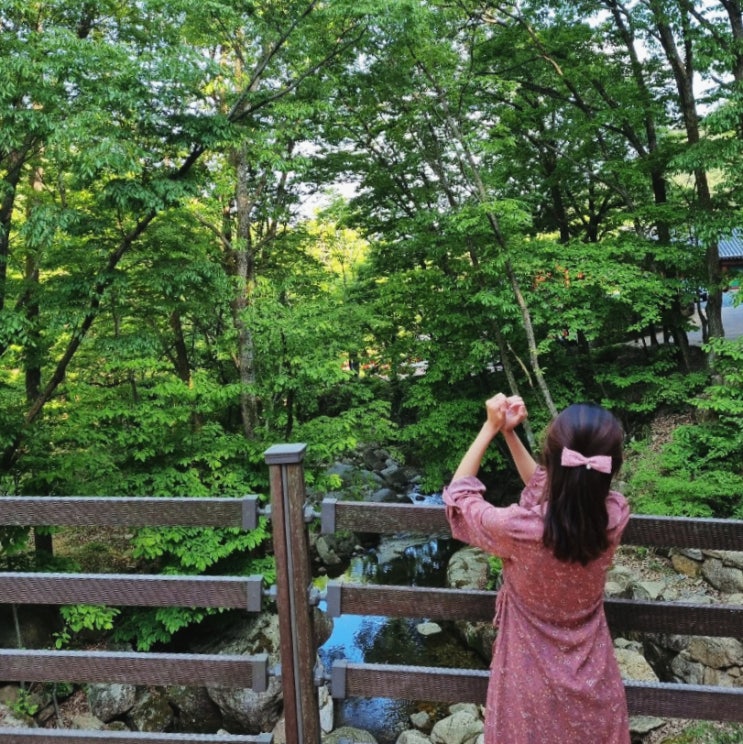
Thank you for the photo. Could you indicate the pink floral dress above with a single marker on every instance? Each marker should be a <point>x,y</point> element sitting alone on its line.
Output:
<point>554,678</point>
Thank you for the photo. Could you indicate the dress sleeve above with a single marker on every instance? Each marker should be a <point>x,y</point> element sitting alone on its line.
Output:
<point>534,489</point>
<point>476,522</point>
<point>619,513</point>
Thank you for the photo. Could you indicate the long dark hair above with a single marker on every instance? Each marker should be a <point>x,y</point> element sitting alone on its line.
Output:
<point>576,518</point>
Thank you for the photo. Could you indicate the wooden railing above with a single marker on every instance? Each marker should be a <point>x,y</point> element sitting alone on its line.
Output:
<point>444,685</point>
<point>194,670</point>
<point>296,601</point>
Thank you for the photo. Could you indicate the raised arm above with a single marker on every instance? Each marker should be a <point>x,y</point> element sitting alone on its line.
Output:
<point>522,459</point>
<point>496,413</point>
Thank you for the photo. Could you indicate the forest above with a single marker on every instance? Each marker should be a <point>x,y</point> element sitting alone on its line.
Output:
<point>226,224</point>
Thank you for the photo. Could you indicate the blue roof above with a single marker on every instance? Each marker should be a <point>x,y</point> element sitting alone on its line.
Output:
<point>731,247</point>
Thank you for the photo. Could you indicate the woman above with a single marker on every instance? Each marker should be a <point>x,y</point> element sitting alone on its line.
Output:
<point>554,677</point>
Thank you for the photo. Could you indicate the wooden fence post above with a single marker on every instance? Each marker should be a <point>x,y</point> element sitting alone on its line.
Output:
<point>293,580</point>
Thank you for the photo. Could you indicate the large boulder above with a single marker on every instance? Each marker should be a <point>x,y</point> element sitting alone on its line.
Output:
<point>243,709</point>
<point>110,701</point>
<point>723,574</point>
<point>151,712</point>
<point>193,710</point>
<point>470,568</point>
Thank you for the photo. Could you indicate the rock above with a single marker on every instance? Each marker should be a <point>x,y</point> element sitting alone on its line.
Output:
<point>726,578</point>
<point>684,565</point>
<point>151,712</point>
<point>633,665</point>
<point>246,711</point>
<point>421,720</point>
<point>396,476</point>
<point>349,735</point>
<point>336,549</point>
<point>617,590</point>
<point>619,582</point>
<point>327,709</point>
<point>111,701</point>
<point>10,719</point>
<point>718,653</point>
<point>384,496</point>
<point>193,710</point>
<point>648,589</point>
<point>355,482</point>
<point>732,558</point>
<point>87,722</point>
<point>644,724</point>
<point>375,458</point>
<point>344,470</point>
<point>394,547</point>
<point>9,695</point>
<point>686,670</point>
<point>461,727</point>
<point>720,678</point>
<point>279,732</point>
<point>428,629</point>
<point>413,737</point>
<point>694,553</point>
<point>468,568</point>
<point>116,726</point>
<point>243,709</point>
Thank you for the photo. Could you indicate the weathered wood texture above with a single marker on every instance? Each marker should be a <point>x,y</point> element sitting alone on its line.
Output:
<point>462,604</point>
<point>293,581</point>
<point>664,532</point>
<point>125,590</point>
<point>137,511</point>
<point>193,670</point>
<point>431,684</point>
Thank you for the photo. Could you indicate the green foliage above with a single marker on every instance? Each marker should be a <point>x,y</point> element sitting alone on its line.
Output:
<point>502,168</point>
<point>708,733</point>
<point>698,472</point>
<point>149,629</point>
<point>195,550</point>
<point>80,618</point>
<point>26,704</point>
<point>441,435</point>
<point>495,569</point>
<point>146,629</point>
<point>635,386</point>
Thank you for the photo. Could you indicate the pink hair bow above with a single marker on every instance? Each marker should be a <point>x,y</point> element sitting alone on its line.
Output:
<point>572,459</point>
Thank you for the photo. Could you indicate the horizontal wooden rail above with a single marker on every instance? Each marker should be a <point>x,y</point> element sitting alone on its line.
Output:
<point>436,684</point>
<point>229,592</point>
<point>135,511</point>
<point>375,518</point>
<point>650,531</point>
<point>681,618</point>
<point>66,736</point>
<point>684,532</point>
<point>190,670</point>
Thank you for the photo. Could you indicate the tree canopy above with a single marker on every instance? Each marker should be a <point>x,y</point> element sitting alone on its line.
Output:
<point>225,224</point>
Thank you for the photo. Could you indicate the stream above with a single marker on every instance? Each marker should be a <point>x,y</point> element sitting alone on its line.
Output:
<point>401,559</point>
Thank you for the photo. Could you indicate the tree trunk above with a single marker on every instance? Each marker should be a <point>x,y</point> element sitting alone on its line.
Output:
<point>245,275</point>
<point>683,72</point>
<point>43,543</point>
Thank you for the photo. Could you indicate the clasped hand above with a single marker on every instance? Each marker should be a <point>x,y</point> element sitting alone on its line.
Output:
<point>505,413</point>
